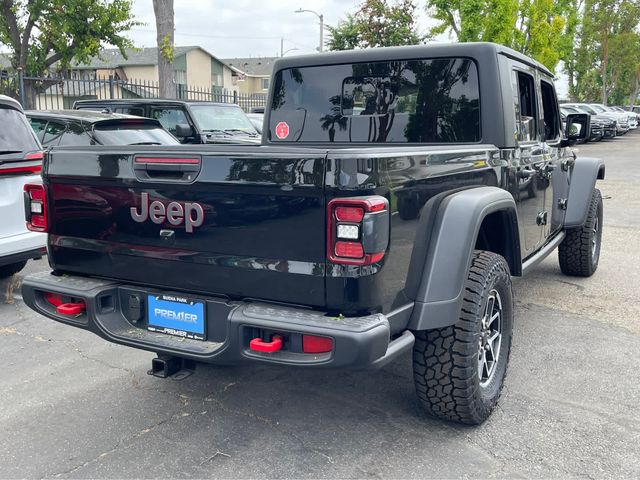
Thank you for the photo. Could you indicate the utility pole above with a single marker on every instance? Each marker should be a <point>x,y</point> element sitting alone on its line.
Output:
<point>283,52</point>
<point>321,18</point>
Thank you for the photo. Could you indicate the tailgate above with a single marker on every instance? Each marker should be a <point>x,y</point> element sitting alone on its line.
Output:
<point>245,222</point>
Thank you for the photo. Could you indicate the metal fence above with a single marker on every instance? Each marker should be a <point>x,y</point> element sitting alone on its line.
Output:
<point>56,93</point>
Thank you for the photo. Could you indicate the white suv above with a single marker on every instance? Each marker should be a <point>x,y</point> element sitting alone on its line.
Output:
<point>20,163</point>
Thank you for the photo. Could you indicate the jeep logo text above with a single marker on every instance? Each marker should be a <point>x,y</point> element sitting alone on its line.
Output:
<point>189,214</point>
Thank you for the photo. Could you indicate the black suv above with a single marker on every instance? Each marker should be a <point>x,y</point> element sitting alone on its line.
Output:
<point>70,127</point>
<point>189,121</point>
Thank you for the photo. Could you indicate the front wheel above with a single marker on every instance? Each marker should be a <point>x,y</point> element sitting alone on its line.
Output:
<point>579,252</point>
<point>459,370</point>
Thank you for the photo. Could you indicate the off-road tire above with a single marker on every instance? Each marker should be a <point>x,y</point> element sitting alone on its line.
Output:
<point>446,360</point>
<point>577,254</point>
<point>8,270</point>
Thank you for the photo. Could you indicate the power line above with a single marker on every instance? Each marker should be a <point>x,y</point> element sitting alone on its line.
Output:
<point>235,37</point>
<point>210,36</point>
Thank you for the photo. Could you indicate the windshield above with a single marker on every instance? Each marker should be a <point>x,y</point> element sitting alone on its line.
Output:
<point>16,136</point>
<point>587,109</point>
<point>598,108</point>
<point>399,101</point>
<point>212,118</point>
<point>569,110</point>
<point>125,133</point>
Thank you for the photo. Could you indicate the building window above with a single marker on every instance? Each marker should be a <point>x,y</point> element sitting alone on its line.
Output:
<point>265,84</point>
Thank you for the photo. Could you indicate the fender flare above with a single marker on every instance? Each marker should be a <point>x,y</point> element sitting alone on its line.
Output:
<point>583,178</point>
<point>449,248</point>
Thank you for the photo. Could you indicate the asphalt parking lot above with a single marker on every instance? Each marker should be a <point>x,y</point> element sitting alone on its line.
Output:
<point>74,406</point>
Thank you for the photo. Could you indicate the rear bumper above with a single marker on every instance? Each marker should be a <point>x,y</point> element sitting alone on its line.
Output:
<point>357,341</point>
<point>34,253</point>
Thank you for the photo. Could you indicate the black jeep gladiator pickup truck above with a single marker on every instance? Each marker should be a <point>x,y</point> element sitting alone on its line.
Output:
<point>395,194</point>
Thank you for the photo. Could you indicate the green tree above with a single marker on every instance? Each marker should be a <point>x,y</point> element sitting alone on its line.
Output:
<point>608,52</point>
<point>542,29</point>
<point>377,23</point>
<point>41,33</point>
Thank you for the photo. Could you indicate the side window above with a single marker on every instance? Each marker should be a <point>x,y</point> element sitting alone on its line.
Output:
<point>38,125</point>
<point>526,114</point>
<point>130,111</point>
<point>169,118</point>
<point>52,134</point>
<point>75,136</point>
<point>549,111</point>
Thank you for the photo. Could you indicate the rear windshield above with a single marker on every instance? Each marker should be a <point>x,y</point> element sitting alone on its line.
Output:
<point>15,135</point>
<point>414,101</point>
<point>127,133</point>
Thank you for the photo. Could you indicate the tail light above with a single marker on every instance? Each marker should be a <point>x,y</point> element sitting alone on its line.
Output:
<point>35,207</point>
<point>18,168</point>
<point>357,230</point>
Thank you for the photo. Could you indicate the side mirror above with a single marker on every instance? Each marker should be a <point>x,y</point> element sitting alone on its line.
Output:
<point>578,127</point>
<point>183,130</point>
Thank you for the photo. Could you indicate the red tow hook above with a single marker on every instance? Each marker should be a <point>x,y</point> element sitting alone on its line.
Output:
<point>260,345</point>
<point>64,308</point>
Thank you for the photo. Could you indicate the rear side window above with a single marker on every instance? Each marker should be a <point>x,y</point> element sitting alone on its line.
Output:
<point>412,101</point>
<point>52,133</point>
<point>526,116</point>
<point>38,125</point>
<point>15,134</point>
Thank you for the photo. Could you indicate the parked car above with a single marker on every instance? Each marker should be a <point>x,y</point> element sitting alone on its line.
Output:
<point>256,119</point>
<point>610,124</point>
<point>633,118</point>
<point>189,121</point>
<point>73,127</point>
<point>622,119</point>
<point>20,163</point>
<point>347,239</point>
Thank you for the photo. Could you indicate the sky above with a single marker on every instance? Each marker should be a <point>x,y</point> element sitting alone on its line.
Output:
<point>246,28</point>
<point>254,28</point>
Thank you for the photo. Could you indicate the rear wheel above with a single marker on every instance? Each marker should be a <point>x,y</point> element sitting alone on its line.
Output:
<point>579,252</point>
<point>8,270</point>
<point>459,370</point>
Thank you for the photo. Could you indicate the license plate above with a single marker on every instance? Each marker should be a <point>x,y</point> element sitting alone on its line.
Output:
<point>176,315</point>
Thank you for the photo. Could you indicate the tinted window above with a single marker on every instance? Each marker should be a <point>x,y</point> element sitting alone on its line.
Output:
<point>549,111</point>
<point>417,101</point>
<point>75,136</point>
<point>130,111</point>
<point>170,117</point>
<point>15,134</point>
<point>126,133</point>
<point>52,133</point>
<point>526,116</point>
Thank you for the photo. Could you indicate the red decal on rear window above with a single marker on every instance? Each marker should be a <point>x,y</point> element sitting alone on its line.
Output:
<point>282,130</point>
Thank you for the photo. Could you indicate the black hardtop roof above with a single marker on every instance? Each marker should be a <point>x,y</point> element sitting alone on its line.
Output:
<point>475,50</point>
<point>8,102</point>
<point>158,101</point>
<point>83,116</point>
